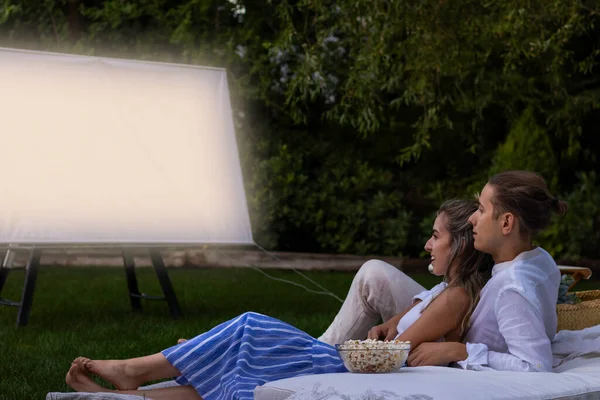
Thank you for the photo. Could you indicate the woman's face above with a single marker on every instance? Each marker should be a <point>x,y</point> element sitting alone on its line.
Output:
<point>439,246</point>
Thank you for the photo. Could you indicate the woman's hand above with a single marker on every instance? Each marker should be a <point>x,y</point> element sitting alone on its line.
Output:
<point>386,331</point>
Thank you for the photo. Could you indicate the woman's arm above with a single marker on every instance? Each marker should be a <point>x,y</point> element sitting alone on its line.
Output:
<point>389,329</point>
<point>442,317</point>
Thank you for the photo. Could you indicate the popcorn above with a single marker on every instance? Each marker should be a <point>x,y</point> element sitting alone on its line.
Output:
<point>373,355</point>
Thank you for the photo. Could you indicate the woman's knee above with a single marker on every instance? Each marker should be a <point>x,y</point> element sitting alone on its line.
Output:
<point>251,315</point>
<point>376,271</point>
<point>251,318</point>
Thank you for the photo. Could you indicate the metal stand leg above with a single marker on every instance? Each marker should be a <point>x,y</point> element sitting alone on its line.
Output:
<point>3,275</point>
<point>5,267</point>
<point>29,287</point>
<point>165,283</point>
<point>134,293</point>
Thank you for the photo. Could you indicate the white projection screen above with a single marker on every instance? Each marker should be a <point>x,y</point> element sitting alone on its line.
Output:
<point>100,151</point>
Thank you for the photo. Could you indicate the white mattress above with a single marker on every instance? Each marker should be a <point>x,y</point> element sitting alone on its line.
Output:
<point>577,379</point>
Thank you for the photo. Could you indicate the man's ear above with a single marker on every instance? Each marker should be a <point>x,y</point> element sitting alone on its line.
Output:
<point>509,222</point>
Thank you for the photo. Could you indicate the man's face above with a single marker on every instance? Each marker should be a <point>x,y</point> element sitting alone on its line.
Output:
<point>487,230</point>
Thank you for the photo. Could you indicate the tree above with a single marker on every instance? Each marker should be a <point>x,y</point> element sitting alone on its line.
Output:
<point>355,119</point>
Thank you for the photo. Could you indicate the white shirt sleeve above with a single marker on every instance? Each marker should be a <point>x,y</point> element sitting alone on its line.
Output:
<point>522,326</point>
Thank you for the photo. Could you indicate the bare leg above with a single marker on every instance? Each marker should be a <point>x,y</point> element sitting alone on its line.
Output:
<point>132,373</point>
<point>78,379</point>
<point>379,291</point>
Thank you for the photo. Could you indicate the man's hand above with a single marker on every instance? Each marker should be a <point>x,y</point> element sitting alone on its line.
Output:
<point>386,331</point>
<point>437,354</point>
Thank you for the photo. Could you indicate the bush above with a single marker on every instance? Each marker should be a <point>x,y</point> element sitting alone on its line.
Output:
<point>526,147</point>
<point>576,235</point>
<point>327,201</point>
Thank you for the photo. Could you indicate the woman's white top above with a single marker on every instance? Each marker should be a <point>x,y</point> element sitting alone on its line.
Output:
<point>426,297</point>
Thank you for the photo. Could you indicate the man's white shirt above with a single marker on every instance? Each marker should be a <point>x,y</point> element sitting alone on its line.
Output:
<point>515,320</point>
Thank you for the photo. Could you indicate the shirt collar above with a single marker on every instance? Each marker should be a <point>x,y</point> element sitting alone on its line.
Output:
<point>507,264</point>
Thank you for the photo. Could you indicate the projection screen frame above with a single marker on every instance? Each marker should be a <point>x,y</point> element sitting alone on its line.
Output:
<point>36,248</point>
<point>130,243</point>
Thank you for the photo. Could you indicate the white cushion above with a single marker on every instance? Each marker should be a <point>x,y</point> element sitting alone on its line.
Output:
<point>576,379</point>
<point>107,396</point>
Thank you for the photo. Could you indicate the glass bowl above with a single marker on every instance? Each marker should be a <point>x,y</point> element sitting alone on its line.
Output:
<point>378,357</point>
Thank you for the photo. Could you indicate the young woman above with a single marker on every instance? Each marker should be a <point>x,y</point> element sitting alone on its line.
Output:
<point>230,360</point>
<point>515,320</point>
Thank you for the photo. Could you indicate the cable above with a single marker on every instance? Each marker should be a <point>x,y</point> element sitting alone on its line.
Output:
<point>298,272</point>
<point>323,292</point>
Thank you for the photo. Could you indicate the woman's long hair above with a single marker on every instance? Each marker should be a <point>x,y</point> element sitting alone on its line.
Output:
<point>473,268</point>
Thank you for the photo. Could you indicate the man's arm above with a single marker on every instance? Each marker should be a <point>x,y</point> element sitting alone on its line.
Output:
<point>523,329</point>
<point>521,325</point>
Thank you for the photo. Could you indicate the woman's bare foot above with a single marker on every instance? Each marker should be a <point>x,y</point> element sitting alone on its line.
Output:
<point>113,371</point>
<point>79,380</point>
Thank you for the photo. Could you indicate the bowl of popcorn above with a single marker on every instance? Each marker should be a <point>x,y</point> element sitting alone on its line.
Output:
<point>373,356</point>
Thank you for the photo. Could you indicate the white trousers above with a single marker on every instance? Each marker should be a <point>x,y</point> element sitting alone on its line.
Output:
<point>379,291</point>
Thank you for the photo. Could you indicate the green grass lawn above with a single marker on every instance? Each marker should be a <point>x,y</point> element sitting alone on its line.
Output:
<point>86,311</point>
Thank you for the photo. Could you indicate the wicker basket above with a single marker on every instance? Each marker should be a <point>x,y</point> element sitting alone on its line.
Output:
<point>582,315</point>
